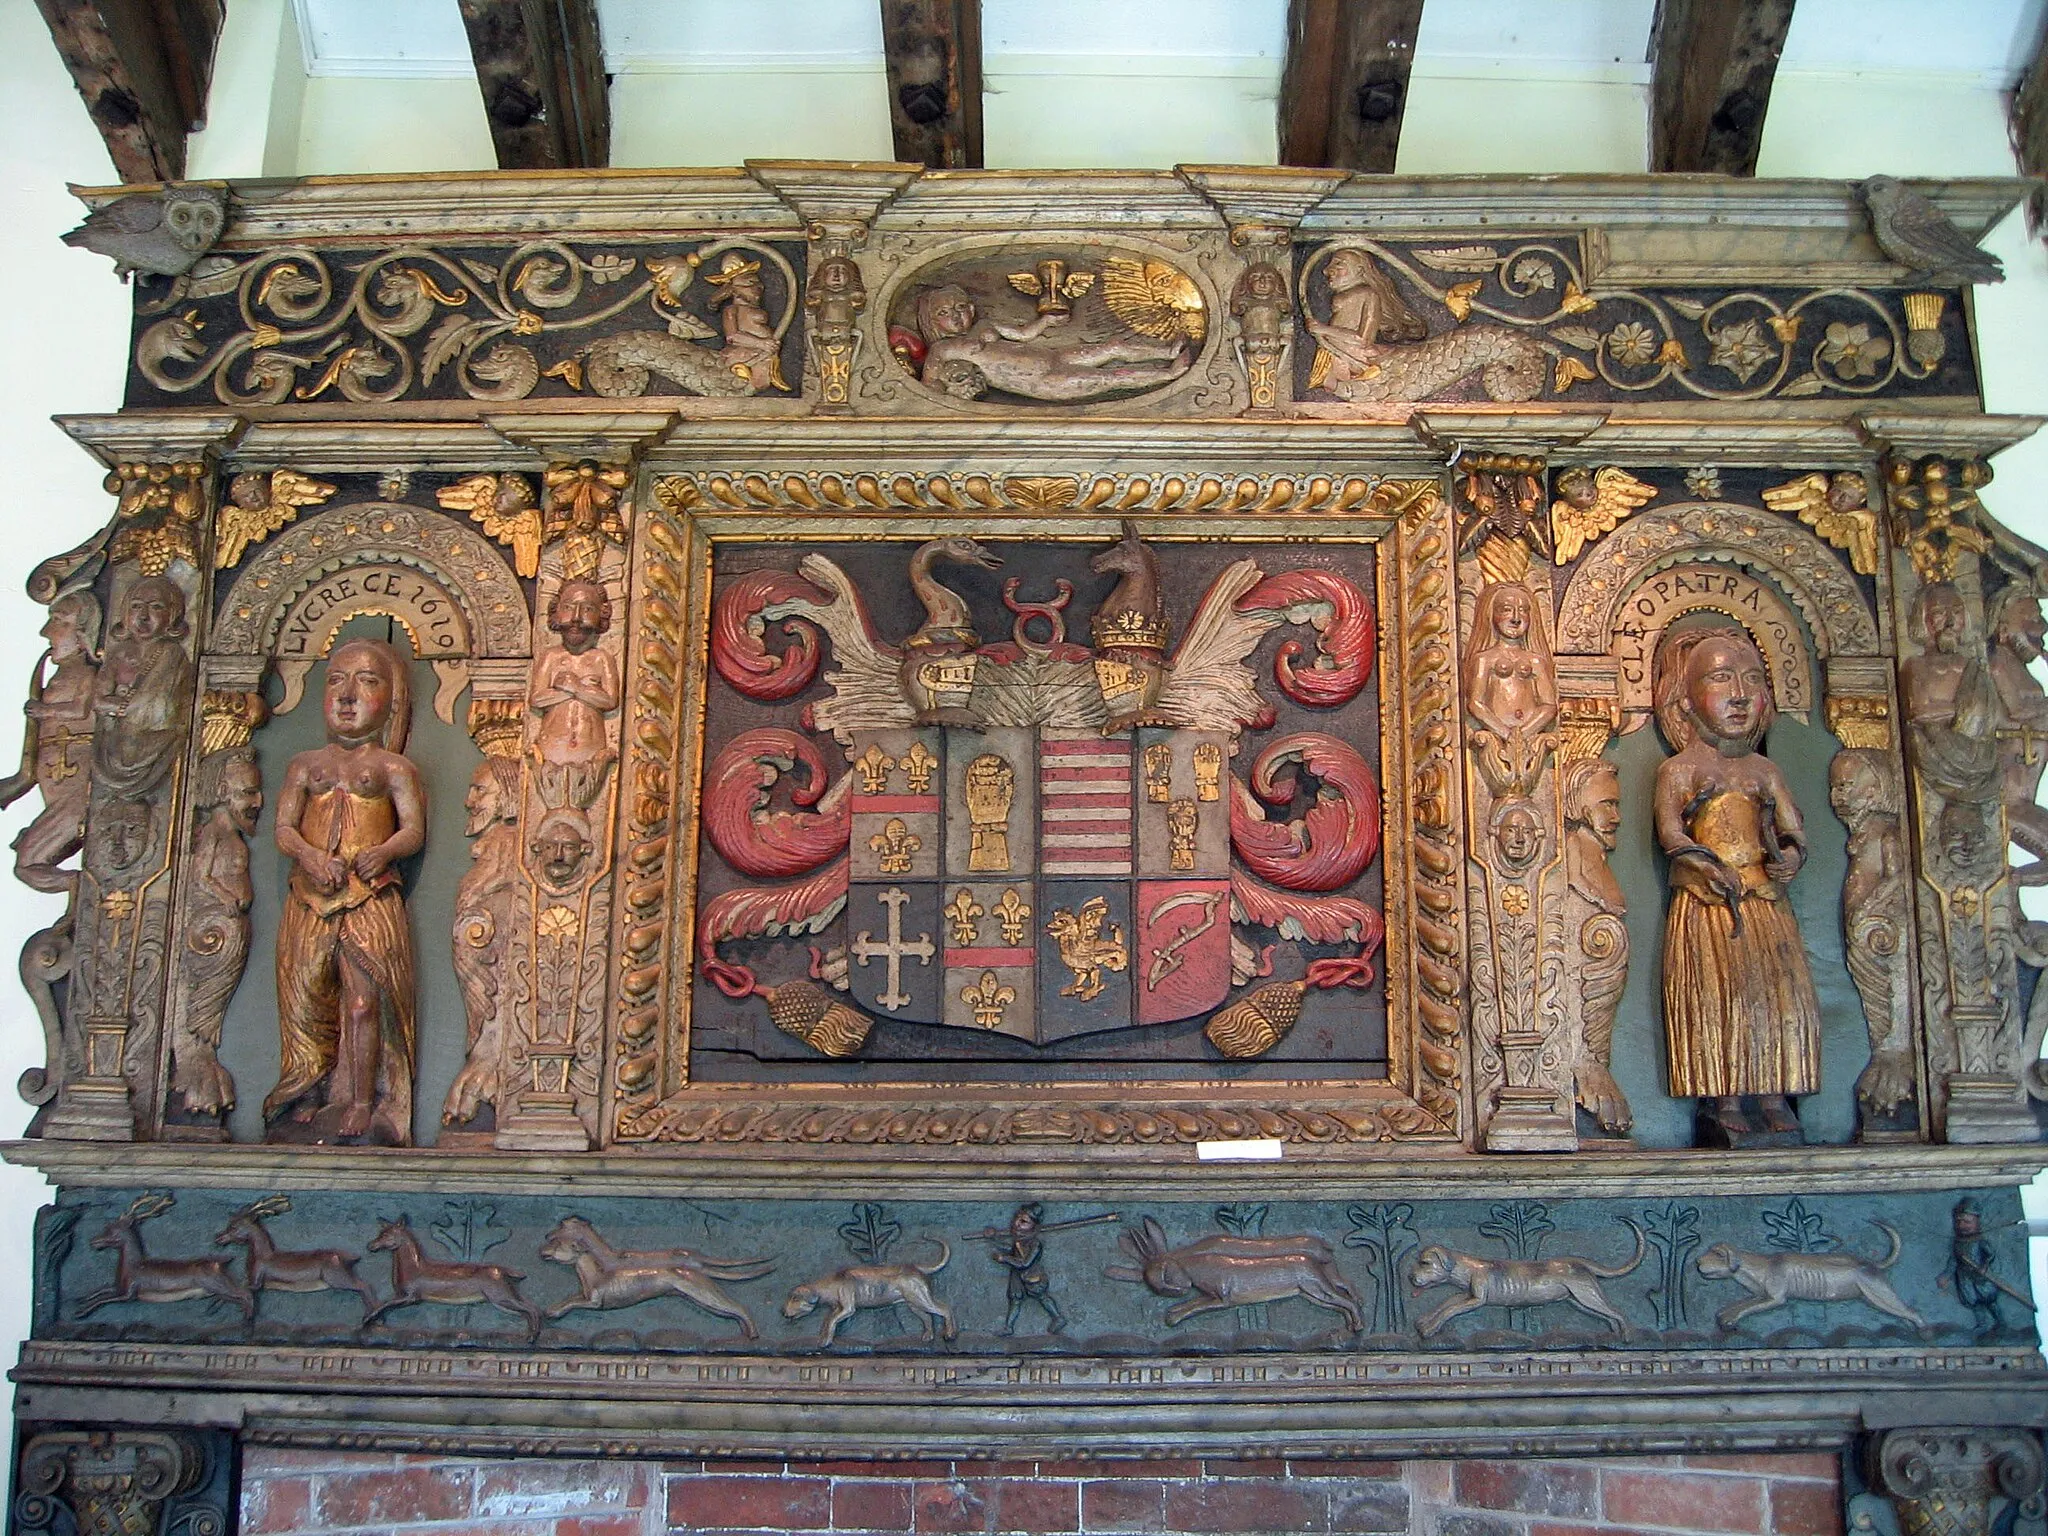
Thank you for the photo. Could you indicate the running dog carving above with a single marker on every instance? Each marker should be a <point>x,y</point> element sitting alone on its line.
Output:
<point>1773,1279</point>
<point>1519,1283</point>
<point>614,1277</point>
<point>861,1286</point>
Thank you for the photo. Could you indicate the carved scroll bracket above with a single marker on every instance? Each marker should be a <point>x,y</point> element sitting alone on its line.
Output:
<point>603,437</point>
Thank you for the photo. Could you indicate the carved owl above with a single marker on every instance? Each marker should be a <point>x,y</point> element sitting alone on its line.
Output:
<point>159,232</point>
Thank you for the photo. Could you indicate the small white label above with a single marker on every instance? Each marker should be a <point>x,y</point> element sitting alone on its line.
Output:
<point>1257,1149</point>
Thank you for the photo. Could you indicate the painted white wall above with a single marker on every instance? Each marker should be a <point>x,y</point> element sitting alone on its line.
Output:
<point>257,105</point>
<point>64,332</point>
<point>823,108</point>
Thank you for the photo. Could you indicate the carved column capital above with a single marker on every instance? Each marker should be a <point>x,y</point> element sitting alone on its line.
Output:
<point>1954,1482</point>
<point>121,1480</point>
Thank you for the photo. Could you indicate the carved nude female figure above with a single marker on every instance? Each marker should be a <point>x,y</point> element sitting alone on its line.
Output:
<point>1740,1014</point>
<point>1365,310</point>
<point>346,814</point>
<point>1510,688</point>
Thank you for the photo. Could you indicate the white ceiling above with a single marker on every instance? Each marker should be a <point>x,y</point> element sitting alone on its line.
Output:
<point>1992,39</point>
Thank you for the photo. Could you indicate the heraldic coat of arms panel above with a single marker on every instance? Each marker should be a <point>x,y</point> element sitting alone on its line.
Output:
<point>978,807</point>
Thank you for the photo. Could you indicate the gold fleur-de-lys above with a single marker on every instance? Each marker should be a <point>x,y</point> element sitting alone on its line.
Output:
<point>1015,916</point>
<point>118,905</point>
<point>917,765</point>
<point>963,913</point>
<point>874,765</point>
<point>558,924</point>
<point>895,843</point>
<point>988,999</point>
<point>1514,901</point>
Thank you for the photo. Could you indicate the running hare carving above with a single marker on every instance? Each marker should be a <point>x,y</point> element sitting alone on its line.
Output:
<point>1218,1272</point>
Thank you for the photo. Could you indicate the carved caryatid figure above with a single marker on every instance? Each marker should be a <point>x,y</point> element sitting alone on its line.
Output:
<point>142,698</point>
<point>1740,1014</point>
<point>575,692</point>
<point>1951,701</point>
<point>347,813</point>
<point>1865,792</point>
<point>57,746</point>
<point>1591,796</point>
<point>484,905</point>
<point>1510,688</point>
<point>2017,630</point>
<point>227,798</point>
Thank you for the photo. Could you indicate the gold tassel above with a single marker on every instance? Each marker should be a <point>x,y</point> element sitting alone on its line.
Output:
<point>1254,1024</point>
<point>812,1014</point>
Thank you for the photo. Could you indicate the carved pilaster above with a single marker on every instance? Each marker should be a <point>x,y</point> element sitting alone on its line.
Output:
<point>143,574</point>
<point>114,1482</point>
<point>1956,1482</point>
<point>834,296</point>
<point>1515,826</point>
<point>1973,716</point>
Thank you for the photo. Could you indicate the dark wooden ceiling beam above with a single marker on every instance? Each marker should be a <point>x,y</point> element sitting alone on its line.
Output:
<point>540,66</point>
<point>1344,86</point>
<point>143,67</point>
<point>1712,66</point>
<point>2030,117</point>
<point>933,52</point>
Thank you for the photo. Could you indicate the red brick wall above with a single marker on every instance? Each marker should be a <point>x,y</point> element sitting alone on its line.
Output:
<point>357,1494</point>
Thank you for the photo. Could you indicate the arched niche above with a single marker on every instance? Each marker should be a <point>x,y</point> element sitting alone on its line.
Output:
<point>1788,571</point>
<point>443,583</point>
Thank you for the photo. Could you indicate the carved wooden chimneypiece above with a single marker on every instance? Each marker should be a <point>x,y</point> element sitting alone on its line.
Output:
<point>694,795</point>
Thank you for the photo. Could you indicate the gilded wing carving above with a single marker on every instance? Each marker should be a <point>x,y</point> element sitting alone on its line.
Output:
<point>1154,299</point>
<point>1837,507</point>
<point>504,505</point>
<point>1589,503</point>
<point>257,506</point>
